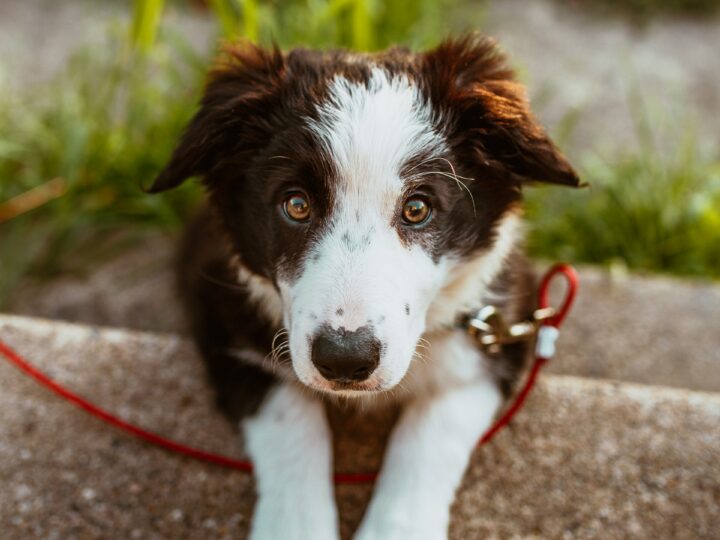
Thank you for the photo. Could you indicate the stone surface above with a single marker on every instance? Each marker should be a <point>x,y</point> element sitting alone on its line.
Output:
<point>646,329</point>
<point>585,459</point>
<point>135,290</point>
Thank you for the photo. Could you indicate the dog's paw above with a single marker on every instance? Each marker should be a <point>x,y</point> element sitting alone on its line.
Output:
<point>296,522</point>
<point>400,529</point>
<point>400,533</point>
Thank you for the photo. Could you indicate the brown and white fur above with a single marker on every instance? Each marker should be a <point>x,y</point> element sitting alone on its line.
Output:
<point>358,135</point>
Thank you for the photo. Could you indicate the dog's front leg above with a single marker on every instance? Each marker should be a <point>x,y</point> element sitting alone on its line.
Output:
<point>425,461</point>
<point>289,441</point>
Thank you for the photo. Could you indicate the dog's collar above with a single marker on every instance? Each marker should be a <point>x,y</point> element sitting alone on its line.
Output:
<point>489,330</point>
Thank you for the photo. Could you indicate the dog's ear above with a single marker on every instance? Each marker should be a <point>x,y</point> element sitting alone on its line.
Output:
<point>241,91</point>
<point>471,79</point>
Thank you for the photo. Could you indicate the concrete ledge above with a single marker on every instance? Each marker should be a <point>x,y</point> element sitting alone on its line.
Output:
<point>644,329</point>
<point>586,459</point>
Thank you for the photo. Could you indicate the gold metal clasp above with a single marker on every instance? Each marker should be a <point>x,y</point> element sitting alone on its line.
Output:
<point>489,329</point>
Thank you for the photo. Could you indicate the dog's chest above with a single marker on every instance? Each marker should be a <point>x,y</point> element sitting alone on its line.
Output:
<point>444,361</point>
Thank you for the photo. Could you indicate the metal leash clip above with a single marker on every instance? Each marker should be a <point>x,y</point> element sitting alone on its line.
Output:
<point>490,331</point>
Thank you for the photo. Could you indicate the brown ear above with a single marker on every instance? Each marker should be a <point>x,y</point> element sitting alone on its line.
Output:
<point>470,78</point>
<point>240,91</point>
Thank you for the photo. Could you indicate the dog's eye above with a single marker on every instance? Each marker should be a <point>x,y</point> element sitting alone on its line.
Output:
<point>297,207</point>
<point>416,210</point>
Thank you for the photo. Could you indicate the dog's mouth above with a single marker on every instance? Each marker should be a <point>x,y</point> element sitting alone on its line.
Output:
<point>347,388</point>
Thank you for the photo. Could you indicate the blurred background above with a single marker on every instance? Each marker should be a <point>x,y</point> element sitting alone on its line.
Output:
<point>93,95</point>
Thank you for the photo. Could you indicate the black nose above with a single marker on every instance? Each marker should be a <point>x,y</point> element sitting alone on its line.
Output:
<point>340,355</point>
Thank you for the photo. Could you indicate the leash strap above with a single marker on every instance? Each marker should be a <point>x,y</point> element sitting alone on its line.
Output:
<point>546,336</point>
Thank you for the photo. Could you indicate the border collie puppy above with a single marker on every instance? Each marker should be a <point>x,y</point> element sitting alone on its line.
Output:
<point>359,205</point>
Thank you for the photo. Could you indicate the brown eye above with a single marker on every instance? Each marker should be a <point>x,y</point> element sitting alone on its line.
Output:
<point>297,207</point>
<point>416,210</point>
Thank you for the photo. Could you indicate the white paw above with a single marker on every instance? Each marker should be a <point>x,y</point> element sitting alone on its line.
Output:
<point>294,520</point>
<point>401,527</point>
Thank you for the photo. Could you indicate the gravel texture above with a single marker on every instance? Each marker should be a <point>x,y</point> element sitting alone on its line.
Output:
<point>134,290</point>
<point>585,459</point>
<point>646,329</point>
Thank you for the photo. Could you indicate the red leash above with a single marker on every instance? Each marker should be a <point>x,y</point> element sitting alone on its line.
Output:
<point>545,348</point>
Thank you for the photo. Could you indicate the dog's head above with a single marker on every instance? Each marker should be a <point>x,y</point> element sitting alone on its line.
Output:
<point>368,197</point>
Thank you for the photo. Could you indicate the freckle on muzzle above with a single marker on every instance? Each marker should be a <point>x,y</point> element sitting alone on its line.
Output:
<point>344,356</point>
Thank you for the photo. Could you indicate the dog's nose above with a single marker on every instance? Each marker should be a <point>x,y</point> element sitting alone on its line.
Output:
<point>340,355</point>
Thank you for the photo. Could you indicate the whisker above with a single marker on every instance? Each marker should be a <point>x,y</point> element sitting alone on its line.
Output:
<point>423,162</point>
<point>421,358</point>
<point>454,175</point>
<point>457,179</point>
<point>278,353</point>
<point>442,173</point>
<point>424,341</point>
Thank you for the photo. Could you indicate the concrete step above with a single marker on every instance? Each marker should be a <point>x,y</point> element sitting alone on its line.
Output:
<point>650,330</point>
<point>585,459</point>
<point>646,329</point>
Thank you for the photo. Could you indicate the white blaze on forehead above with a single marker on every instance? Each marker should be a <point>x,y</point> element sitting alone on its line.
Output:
<point>360,272</point>
<point>371,130</point>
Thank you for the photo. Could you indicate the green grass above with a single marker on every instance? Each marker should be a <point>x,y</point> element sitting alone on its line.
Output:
<point>103,127</point>
<point>356,24</point>
<point>649,210</point>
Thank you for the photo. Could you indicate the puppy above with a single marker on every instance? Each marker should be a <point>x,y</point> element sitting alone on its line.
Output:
<point>359,206</point>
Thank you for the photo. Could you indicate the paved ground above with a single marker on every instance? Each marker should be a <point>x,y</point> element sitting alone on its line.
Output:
<point>646,329</point>
<point>135,290</point>
<point>586,459</point>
